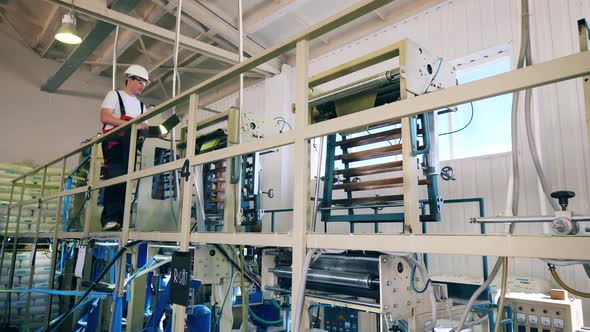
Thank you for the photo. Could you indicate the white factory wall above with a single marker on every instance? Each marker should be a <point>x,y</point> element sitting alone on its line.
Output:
<point>38,126</point>
<point>270,99</point>
<point>459,29</point>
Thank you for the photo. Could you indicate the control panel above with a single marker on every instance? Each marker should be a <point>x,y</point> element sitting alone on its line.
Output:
<point>340,319</point>
<point>541,313</point>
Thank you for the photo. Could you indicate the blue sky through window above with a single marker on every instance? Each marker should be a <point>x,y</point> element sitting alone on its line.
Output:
<point>489,131</point>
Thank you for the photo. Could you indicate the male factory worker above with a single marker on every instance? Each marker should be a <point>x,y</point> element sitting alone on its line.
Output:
<point>117,108</point>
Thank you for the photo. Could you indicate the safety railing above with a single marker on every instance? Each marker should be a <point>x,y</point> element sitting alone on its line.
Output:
<point>556,70</point>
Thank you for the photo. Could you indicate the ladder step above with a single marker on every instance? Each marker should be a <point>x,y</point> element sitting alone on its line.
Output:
<point>371,169</point>
<point>371,138</point>
<point>376,184</point>
<point>369,200</point>
<point>385,151</point>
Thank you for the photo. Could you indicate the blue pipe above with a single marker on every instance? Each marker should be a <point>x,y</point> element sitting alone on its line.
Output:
<point>484,259</point>
<point>414,135</point>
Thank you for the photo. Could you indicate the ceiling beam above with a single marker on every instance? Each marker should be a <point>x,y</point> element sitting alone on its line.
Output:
<point>185,69</point>
<point>46,37</point>
<point>126,39</point>
<point>400,13</point>
<point>99,11</point>
<point>198,27</point>
<point>269,13</point>
<point>95,37</point>
<point>182,61</point>
<point>192,59</point>
<point>212,20</point>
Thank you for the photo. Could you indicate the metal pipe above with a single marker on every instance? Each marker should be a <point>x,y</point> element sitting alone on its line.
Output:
<point>538,219</point>
<point>373,206</point>
<point>237,161</point>
<point>173,153</point>
<point>238,191</point>
<point>176,47</point>
<point>204,108</point>
<point>349,279</point>
<point>115,56</point>
<point>317,184</point>
<point>325,297</point>
<point>369,83</point>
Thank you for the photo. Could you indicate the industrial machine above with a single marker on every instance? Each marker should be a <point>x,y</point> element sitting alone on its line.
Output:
<point>542,313</point>
<point>362,180</point>
<point>369,175</point>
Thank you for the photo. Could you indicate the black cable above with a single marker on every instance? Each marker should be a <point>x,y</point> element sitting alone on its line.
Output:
<point>434,76</point>
<point>467,125</point>
<point>250,277</point>
<point>56,323</point>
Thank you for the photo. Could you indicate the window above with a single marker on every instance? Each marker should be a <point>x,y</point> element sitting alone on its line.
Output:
<point>479,128</point>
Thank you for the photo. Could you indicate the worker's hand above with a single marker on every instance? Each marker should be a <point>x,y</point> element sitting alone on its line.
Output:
<point>163,135</point>
<point>142,126</point>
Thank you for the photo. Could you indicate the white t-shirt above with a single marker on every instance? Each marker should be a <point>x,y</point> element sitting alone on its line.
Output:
<point>132,105</point>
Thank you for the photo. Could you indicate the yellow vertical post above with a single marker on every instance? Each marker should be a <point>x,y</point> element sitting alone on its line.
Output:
<point>55,244</point>
<point>6,228</point>
<point>92,181</point>
<point>231,197</point>
<point>584,35</point>
<point>302,172</point>
<point>186,202</point>
<point>410,162</point>
<point>120,281</point>
<point>15,245</point>
<point>35,239</point>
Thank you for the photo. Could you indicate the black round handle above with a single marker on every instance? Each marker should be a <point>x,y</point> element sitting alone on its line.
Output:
<point>563,197</point>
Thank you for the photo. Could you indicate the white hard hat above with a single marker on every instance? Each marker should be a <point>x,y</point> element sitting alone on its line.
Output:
<point>139,71</point>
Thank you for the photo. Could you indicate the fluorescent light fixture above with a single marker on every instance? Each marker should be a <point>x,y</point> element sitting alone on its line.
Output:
<point>68,33</point>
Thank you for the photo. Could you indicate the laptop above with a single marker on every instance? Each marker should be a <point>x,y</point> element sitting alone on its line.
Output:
<point>164,128</point>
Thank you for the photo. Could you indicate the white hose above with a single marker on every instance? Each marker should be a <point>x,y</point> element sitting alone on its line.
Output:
<point>317,184</point>
<point>430,289</point>
<point>301,294</point>
<point>532,143</point>
<point>476,294</point>
<point>175,178</point>
<point>524,43</point>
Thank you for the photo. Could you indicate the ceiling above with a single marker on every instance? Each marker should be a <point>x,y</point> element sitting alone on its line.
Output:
<point>207,24</point>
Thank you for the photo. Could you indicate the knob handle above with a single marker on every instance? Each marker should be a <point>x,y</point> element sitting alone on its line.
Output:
<point>563,197</point>
<point>270,193</point>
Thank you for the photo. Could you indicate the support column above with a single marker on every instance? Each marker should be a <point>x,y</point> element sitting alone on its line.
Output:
<point>410,162</point>
<point>584,35</point>
<point>302,172</point>
<point>130,184</point>
<point>34,245</point>
<point>186,203</point>
<point>56,229</point>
